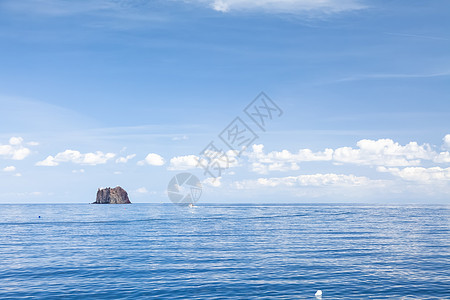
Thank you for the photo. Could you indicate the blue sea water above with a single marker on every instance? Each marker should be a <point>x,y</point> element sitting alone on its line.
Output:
<point>144,251</point>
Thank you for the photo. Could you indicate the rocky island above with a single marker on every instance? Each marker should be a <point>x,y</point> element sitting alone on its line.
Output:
<point>116,195</point>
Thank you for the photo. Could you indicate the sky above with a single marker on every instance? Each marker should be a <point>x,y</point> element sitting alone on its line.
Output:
<point>103,93</point>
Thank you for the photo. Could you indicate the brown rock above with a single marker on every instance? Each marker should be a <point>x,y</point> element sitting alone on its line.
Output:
<point>112,196</point>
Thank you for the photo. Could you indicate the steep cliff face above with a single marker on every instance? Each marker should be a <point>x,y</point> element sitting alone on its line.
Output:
<point>112,196</point>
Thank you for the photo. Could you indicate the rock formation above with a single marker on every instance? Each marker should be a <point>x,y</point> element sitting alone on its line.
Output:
<point>112,196</point>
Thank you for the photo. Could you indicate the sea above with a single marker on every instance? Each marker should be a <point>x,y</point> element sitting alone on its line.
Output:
<point>220,251</point>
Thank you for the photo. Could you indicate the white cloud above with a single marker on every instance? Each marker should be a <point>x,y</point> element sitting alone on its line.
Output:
<point>50,161</point>
<point>402,161</point>
<point>152,159</point>
<point>15,141</point>
<point>314,180</point>
<point>220,5</point>
<point>18,175</point>
<point>14,150</point>
<point>384,152</point>
<point>283,6</point>
<point>21,153</point>
<point>180,138</point>
<point>125,159</point>
<point>78,171</point>
<point>446,142</point>
<point>77,158</point>
<point>443,157</point>
<point>283,160</point>
<point>419,174</point>
<point>381,152</point>
<point>142,190</point>
<point>266,168</point>
<point>186,162</point>
<point>33,144</point>
<point>286,156</point>
<point>215,162</point>
<point>213,182</point>
<point>9,169</point>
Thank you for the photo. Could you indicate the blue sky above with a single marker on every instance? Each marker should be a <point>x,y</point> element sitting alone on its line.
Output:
<point>88,89</point>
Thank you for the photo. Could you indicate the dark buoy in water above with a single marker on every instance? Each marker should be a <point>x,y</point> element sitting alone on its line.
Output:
<point>39,217</point>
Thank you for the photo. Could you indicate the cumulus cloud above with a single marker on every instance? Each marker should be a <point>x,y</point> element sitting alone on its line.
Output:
<point>213,182</point>
<point>77,158</point>
<point>282,167</point>
<point>419,174</point>
<point>314,180</point>
<point>15,141</point>
<point>185,162</point>
<point>286,156</point>
<point>14,150</point>
<point>142,190</point>
<point>152,159</point>
<point>283,6</point>
<point>283,160</point>
<point>125,159</point>
<point>384,152</point>
<point>9,169</point>
<point>209,159</point>
<point>50,161</point>
<point>447,142</point>
<point>443,157</point>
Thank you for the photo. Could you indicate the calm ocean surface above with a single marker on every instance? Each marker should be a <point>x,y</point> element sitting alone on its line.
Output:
<point>143,251</point>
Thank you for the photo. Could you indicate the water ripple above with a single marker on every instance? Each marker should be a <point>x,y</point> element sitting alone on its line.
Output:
<point>224,252</point>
